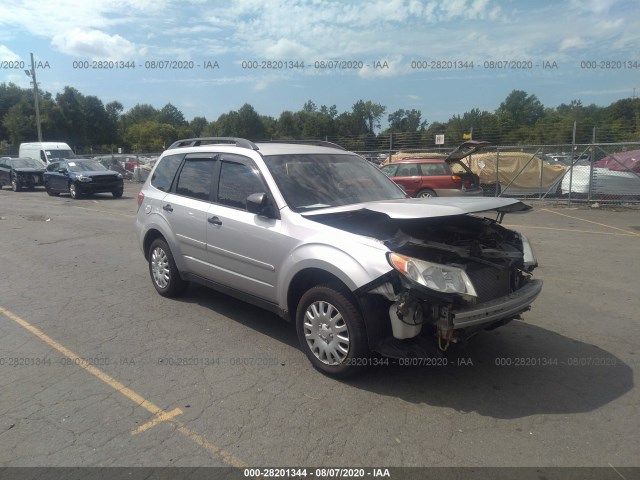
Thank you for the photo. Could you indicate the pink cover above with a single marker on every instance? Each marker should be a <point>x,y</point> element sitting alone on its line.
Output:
<point>623,161</point>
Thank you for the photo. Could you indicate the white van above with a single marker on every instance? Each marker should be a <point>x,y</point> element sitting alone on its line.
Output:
<point>46,151</point>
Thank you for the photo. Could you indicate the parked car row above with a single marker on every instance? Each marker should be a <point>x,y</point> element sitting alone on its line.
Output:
<point>74,176</point>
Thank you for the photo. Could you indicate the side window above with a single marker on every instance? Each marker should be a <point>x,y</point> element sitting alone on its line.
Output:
<point>433,169</point>
<point>389,170</point>
<point>237,182</point>
<point>407,170</point>
<point>53,167</point>
<point>165,171</point>
<point>196,178</point>
<point>42,156</point>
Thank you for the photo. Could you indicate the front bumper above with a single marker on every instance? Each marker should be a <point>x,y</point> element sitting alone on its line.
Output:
<point>502,308</point>
<point>90,187</point>
<point>30,179</point>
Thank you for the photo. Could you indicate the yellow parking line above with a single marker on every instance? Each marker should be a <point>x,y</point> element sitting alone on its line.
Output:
<point>159,419</point>
<point>161,415</point>
<point>571,230</point>
<point>591,221</point>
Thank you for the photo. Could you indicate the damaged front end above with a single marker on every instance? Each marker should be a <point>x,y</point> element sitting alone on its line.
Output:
<point>453,274</point>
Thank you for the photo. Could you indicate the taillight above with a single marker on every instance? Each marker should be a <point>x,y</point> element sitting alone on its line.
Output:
<point>140,199</point>
<point>456,179</point>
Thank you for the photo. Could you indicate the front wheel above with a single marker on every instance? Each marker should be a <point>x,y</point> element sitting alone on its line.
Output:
<point>331,331</point>
<point>117,193</point>
<point>15,185</point>
<point>74,191</point>
<point>164,273</point>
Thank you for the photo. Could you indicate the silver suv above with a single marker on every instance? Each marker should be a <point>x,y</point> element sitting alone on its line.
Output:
<point>323,238</point>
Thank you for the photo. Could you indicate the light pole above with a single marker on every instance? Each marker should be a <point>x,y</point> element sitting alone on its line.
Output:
<point>32,74</point>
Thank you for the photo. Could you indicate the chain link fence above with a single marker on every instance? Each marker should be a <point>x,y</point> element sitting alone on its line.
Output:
<point>602,172</point>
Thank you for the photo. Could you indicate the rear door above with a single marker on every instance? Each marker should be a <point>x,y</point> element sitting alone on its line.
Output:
<point>408,176</point>
<point>185,207</point>
<point>437,176</point>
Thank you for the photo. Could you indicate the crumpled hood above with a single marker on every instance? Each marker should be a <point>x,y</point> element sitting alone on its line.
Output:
<point>416,208</point>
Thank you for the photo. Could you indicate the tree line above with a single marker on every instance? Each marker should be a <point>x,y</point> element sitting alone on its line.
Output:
<point>90,126</point>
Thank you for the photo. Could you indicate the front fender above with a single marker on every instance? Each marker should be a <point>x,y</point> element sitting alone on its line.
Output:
<point>354,269</point>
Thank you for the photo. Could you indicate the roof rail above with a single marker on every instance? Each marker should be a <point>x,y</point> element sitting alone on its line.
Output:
<point>319,143</point>
<point>196,142</point>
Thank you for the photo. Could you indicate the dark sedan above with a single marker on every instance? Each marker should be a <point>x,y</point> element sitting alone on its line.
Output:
<point>79,177</point>
<point>21,173</point>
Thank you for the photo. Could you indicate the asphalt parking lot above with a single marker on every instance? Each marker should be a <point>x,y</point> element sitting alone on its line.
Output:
<point>96,369</point>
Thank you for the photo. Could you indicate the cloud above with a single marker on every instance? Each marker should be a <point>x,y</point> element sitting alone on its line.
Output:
<point>95,44</point>
<point>573,42</point>
<point>285,49</point>
<point>593,6</point>
<point>7,55</point>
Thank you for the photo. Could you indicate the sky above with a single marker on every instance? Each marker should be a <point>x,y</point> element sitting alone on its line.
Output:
<point>442,57</point>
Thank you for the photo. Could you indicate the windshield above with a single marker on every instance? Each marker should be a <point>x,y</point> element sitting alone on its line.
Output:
<point>51,154</point>
<point>86,166</point>
<point>311,181</point>
<point>26,163</point>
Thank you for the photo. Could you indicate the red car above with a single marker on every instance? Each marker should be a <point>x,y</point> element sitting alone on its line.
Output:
<point>437,176</point>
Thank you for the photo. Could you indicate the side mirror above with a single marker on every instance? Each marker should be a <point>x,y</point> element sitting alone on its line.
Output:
<point>259,204</point>
<point>62,170</point>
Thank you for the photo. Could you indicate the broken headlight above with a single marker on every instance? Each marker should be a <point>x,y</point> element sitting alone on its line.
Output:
<point>529,257</point>
<point>441,278</point>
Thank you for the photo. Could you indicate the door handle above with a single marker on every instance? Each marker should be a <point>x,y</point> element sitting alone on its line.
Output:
<point>168,207</point>
<point>214,220</point>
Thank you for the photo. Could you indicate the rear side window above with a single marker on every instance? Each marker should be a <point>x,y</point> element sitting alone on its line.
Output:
<point>407,170</point>
<point>429,169</point>
<point>165,171</point>
<point>196,178</point>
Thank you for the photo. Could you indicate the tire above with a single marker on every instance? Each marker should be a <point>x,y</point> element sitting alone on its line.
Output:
<point>426,193</point>
<point>117,193</point>
<point>49,191</point>
<point>163,271</point>
<point>15,184</point>
<point>73,191</point>
<point>331,331</point>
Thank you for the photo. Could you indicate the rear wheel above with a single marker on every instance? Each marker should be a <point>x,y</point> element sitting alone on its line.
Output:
<point>331,331</point>
<point>117,193</point>
<point>426,193</point>
<point>164,273</point>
